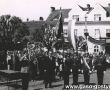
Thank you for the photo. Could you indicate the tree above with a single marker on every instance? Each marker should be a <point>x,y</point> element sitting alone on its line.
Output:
<point>12,29</point>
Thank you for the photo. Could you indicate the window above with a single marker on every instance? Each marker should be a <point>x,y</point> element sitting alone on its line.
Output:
<point>76,17</point>
<point>107,32</point>
<point>96,48</point>
<point>97,33</point>
<point>97,17</point>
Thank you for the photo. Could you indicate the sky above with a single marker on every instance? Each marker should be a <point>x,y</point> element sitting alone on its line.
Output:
<point>33,9</point>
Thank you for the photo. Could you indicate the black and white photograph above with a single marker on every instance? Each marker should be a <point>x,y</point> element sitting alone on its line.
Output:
<point>54,44</point>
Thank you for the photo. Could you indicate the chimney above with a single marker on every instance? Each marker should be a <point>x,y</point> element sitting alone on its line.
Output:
<point>27,19</point>
<point>52,9</point>
<point>88,6</point>
<point>109,5</point>
<point>41,18</point>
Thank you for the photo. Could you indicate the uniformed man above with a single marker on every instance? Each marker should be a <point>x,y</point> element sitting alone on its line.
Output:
<point>24,63</point>
<point>86,68</point>
<point>47,67</point>
<point>76,63</point>
<point>100,66</point>
<point>66,70</point>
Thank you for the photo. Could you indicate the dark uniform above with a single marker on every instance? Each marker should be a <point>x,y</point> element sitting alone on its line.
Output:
<point>66,71</point>
<point>76,63</point>
<point>53,68</point>
<point>86,68</point>
<point>48,75</point>
<point>25,74</point>
<point>100,66</point>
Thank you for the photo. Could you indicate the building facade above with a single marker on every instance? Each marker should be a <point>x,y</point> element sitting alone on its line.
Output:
<point>93,20</point>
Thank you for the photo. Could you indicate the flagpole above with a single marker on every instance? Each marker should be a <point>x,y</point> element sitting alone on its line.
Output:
<point>86,31</point>
<point>62,34</point>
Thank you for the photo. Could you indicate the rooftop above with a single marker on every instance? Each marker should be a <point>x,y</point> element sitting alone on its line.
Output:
<point>53,17</point>
<point>34,25</point>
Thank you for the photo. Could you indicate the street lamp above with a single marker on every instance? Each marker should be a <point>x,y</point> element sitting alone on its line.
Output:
<point>86,34</point>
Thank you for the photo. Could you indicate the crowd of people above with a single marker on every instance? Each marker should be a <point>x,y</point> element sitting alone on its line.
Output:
<point>50,66</point>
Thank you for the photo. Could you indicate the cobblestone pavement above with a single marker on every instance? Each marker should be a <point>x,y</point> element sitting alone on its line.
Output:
<point>58,85</point>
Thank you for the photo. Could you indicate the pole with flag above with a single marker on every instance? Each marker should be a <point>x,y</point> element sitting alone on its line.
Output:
<point>60,26</point>
<point>71,34</point>
<point>60,34</point>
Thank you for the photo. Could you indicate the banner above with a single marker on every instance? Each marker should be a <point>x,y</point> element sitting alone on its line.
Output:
<point>71,33</point>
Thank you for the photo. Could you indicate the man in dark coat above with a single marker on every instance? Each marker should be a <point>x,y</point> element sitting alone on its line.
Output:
<point>66,70</point>
<point>76,63</point>
<point>53,68</point>
<point>100,66</point>
<point>17,63</point>
<point>24,63</point>
<point>47,67</point>
<point>86,68</point>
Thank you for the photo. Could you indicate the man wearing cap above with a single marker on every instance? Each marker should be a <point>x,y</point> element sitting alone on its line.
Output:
<point>66,70</point>
<point>100,66</point>
<point>86,68</point>
<point>76,63</point>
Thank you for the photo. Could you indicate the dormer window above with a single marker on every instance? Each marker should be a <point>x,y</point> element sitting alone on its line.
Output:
<point>97,17</point>
<point>76,17</point>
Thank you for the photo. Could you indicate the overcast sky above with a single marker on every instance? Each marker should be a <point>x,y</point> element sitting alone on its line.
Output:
<point>33,9</point>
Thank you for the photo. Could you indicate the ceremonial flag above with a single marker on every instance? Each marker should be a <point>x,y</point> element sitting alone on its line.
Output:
<point>60,26</point>
<point>59,32</point>
<point>71,33</point>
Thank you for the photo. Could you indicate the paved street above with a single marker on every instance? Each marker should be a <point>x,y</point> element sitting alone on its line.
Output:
<point>38,85</point>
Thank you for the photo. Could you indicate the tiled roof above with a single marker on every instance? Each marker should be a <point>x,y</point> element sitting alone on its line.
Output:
<point>53,17</point>
<point>34,25</point>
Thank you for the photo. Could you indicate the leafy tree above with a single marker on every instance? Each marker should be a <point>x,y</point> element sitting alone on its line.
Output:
<point>12,29</point>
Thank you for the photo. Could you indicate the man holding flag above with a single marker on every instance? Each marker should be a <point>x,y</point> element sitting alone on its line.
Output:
<point>73,40</point>
<point>60,41</point>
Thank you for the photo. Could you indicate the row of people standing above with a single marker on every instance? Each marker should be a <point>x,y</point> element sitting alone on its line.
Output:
<point>86,64</point>
<point>75,62</point>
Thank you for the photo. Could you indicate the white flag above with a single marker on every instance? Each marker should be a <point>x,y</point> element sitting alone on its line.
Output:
<point>71,33</point>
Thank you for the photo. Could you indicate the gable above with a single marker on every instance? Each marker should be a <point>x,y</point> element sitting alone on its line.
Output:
<point>98,9</point>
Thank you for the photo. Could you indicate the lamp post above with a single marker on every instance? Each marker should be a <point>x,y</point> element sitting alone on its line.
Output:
<point>86,34</point>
